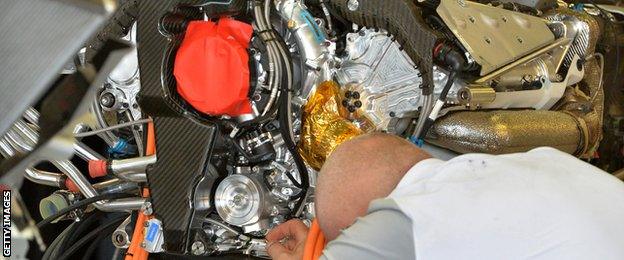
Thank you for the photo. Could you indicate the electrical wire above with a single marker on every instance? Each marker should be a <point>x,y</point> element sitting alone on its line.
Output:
<point>106,228</point>
<point>110,128</point>
<point>81,204</point>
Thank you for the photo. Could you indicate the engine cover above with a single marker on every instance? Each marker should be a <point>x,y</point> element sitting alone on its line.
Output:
<point>494,36</point>
<point>212,67</point>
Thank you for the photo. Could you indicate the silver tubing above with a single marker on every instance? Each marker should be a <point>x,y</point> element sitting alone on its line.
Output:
<point>44,177</point>
<point>89,191</point>
<point>115,186</point>
<point>86,153</point>
<point>132,165</point>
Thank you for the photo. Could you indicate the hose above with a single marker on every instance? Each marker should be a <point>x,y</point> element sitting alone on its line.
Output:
<point>433,115</point>
<point>54,246</point>
<point>81,204</point>
<point>103,229</point>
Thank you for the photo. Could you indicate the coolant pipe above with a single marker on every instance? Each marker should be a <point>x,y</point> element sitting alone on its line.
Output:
<point>89,191</point>
<point>132,169</point>
<point>85,152</point>
<point>45,178</point>
<point>115,186</point>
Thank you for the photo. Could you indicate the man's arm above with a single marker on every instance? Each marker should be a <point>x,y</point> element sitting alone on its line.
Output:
<point>385,233</point>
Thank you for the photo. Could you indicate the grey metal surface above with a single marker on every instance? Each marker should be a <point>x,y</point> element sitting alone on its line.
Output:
<point>493,36</point>
<point>38,38</point>
<point>386,78</point>
<point>310,40</point>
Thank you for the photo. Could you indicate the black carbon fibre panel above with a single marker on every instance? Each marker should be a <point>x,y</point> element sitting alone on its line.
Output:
<point>183,145</point>
<point>403,19</point>
<point>116,27</point>
<point>183,151</point>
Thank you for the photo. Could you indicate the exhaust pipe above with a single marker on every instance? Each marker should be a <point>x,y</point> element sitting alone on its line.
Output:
<point>508,131</point>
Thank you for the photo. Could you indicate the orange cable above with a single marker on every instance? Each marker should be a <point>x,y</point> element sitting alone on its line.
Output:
<point>135,251</point>
<point>310,245</point>
<point>320,245</point>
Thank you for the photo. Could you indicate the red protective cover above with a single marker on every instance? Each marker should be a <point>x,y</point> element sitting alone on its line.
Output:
<point>212,67</point>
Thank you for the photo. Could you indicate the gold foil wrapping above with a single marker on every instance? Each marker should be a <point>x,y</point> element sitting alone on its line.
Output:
<point>327,124</point>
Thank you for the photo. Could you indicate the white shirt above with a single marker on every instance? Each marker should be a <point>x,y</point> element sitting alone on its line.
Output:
<point>543,204</point>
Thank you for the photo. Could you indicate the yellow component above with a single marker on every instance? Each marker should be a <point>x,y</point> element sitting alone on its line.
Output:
<point>327,124</point>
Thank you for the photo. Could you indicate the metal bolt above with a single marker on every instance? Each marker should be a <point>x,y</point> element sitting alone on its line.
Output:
<point>147,208</point>
<point>287,191</point>
<point>292,24</point>
<point>353,5</point>
<point>198,248</point>
<point>107,100</point>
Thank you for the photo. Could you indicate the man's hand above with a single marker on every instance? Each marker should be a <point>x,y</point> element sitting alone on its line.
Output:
<point>287,241</point>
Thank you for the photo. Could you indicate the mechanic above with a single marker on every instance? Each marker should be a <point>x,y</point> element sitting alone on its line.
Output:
<point>380,197</point>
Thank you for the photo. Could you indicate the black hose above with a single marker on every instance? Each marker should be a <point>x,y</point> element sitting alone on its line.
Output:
<point>52,250</point>
<point>448,85</point>
<point>436,109</point>
<point>81,204</point>
<point>106,228</point>
<point>292,148</point>
<point>75,232</point>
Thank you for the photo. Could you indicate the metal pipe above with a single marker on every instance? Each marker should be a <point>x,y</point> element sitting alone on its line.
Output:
<point>45,178</point>
<point>115,186</point>
<point>132,165</point>
<point>505,131</point>
<point>86,153</point>
<point>89,191</point>
<point>132,169</point>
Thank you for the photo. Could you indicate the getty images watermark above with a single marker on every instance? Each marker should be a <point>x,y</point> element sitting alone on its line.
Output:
<point>6,223</point>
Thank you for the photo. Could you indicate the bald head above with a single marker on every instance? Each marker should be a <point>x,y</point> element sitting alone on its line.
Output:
<point>359,171</point>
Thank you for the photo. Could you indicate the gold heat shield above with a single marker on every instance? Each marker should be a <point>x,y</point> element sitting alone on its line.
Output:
<point>327,124</point>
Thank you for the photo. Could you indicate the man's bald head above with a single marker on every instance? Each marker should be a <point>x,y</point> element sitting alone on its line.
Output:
<point>358,171</point>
